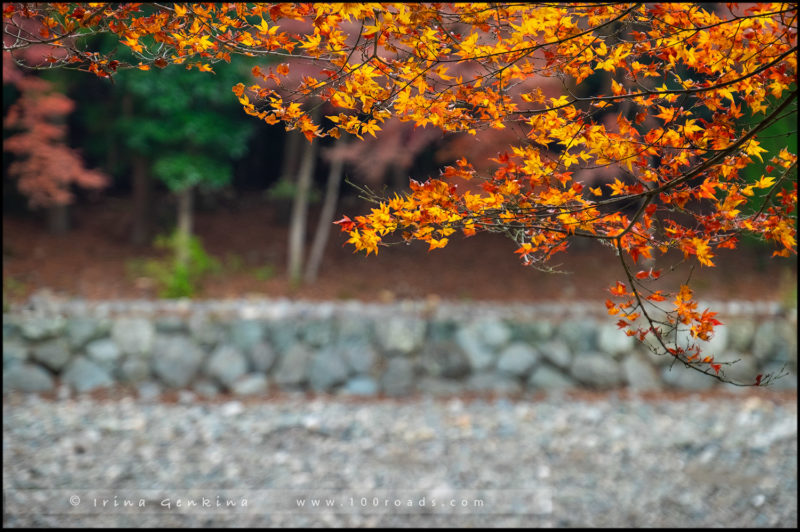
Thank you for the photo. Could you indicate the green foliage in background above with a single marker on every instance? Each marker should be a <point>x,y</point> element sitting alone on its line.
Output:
<point>12,289</point>
<point>780,135</point>
<point>286,189</point>
<point>182,170</point>
<point>265,272</point>
<point>235,264</point>
<point>189,126</point>
<point>174,279</point>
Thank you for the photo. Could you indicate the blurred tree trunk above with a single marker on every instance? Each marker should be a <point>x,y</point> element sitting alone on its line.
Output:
<point>184,230</point>
<point>326,216</point>
<point>399,177</point>
<point>292,152</point>
<point>297,224</point>
<point>141,182</point>
<point>291,155</point>
<point>58,219</point>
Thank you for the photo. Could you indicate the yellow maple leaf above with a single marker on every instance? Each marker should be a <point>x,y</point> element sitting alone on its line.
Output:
<point>703,251</point>
<point>764,182</point>
<point>312,42</point>
<point>434,243</point>
<point>667,113</point>
<point>133,44</point>
<point>754,149</point>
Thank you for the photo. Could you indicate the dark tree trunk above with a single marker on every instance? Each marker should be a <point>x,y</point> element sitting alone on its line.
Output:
<point>141,224</point>
<point>399,177</point>
<point>291,155</point>
<point>140,183</point>
<point>58,219</point>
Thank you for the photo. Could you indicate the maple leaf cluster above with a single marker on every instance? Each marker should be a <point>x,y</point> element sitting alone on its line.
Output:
<point>680,94</point>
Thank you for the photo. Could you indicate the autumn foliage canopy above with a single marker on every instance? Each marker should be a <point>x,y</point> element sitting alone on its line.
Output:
<point>669,100</point>
<point>45,166</point>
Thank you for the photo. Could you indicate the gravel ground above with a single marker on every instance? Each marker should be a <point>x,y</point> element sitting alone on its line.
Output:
<point>610,460</point>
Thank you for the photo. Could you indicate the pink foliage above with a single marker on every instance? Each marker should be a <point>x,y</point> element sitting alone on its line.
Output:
<point>45,166</point>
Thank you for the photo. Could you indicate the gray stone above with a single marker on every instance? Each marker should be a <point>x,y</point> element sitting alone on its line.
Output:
<point>44,300</point>
<point>226,364</point>
<point>81,331</point>
<point>282,334</point>
<point>83,375</point>
<point>205,388</point>
<point>53,353</point>
<point>494,383</point>
<point>548,378</point>
<point>148,390</point>
<point>441,330</point>
<point>360,358</point>
<point>27,378</point>
<point>598,370</point>
<point>444,359</point>
<point>252,384</point>
<point>684,338</point>
<point>640,374</point>
<point>11,328</point>
<point>318,332</point>
<point>398,378</point>
<point>186,397</point>
<point>556,352</point>
<point>176,360</point>
<point>533,332</point>
<point>41,328</point>
<point>262,357</point>
<point>439,387</point>
<point>170,325</point>
<point>353,329</point>
<point>679,376</point>
<point>775,341</point>
<point>784,378</point>
<point>205,332</point>
<point>492,332</point>
<point>360,385</point>
<point>719,341</point>
<point>292,368</point>
<point>579,335</point>
<point>613,340</point>
<point>14,352</point>
<point>327,370</point>
<point>400,336</point>
<point>714,346</point>
<point>104,352</point>
<point>518,359</point>
<point>743,372</point>
<point>134,369</point>
<point>740,334</point>
<point>63,392</point>
<point>480,356</point>
<point>246,334</point>
<point>133,336</point>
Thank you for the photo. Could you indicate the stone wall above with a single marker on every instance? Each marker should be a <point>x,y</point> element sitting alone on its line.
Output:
<point>248,347</point>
